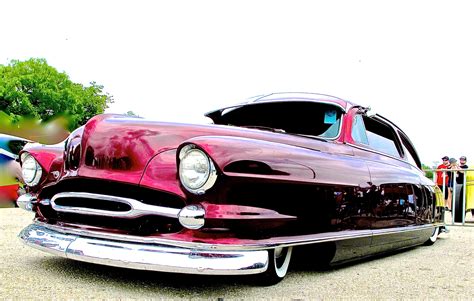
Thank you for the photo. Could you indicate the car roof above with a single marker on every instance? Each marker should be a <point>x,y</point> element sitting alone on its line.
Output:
<point>287,97</point>
<point>299,96</point>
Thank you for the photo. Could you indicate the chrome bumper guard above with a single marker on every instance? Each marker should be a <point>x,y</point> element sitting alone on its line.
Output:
<point>25,201</point>
<point>153,257</point>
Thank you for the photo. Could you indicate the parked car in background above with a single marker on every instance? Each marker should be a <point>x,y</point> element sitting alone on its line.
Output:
<point>235,197</point>
<point>10,173</point>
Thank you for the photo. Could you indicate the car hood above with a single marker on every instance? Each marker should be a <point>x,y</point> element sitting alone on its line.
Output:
<point>120,148</point>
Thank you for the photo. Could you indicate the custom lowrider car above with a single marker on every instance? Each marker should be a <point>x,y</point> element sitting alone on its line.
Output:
<point>276,173</point>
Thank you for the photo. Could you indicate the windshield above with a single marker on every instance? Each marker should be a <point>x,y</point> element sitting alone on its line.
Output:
<point>295,117</point>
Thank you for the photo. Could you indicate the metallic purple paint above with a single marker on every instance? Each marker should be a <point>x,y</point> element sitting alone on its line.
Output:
<point>273,189</point>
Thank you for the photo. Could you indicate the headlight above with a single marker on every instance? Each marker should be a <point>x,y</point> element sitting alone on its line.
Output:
<point>196,171</point>
<point>30,170</point>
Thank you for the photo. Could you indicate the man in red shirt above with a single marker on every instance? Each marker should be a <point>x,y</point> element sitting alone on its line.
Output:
<point>442,175</point>
<point>442,181</point>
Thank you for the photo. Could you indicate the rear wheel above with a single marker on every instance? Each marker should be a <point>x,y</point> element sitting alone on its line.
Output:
<point>433,237</point>
<point>278,263</point>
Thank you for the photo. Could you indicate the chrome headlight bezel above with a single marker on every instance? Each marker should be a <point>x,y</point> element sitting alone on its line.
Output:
<point>31,170</point>
<point>193,159</point>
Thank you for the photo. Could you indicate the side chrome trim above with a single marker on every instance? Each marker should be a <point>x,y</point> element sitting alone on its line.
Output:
<point>361,147</point>
<point>263,244</point>
<point>379,232</point>
<point>154,257</point>
<point>136,208</point>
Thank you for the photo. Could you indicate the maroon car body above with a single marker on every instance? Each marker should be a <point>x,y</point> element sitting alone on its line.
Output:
<point>279,172</point>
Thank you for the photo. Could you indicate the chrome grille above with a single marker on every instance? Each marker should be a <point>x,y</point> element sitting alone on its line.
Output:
<point>107,205</point>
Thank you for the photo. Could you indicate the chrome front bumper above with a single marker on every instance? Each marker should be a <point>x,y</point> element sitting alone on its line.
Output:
<point>154,257</point>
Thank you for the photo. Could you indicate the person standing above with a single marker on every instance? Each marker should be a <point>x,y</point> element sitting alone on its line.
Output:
<point>452,174</point>
<point>462,165</point>
<point>442,179</point>
<point>470,191</point>
<point>460,180</point>
<point>453,192</point>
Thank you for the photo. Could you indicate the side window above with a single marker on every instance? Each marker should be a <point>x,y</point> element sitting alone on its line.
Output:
<point>381,137</point>
<point>409,150</point>
<point>358,130</point>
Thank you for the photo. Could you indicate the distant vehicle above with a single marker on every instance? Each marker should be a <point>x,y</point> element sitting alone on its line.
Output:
<point>271,175</point>
<point>10,146</point>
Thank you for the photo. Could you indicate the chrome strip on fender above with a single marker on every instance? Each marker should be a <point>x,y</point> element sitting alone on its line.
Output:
<point>137,208</point>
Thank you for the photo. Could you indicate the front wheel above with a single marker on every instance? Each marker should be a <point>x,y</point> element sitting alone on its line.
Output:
<point>278,263</point>
<point>433,237</point>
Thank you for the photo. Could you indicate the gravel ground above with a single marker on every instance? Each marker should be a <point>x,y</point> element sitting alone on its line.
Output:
<point>443,271</point>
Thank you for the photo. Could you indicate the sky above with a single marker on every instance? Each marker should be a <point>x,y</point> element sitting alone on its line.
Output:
<point>411,61</point>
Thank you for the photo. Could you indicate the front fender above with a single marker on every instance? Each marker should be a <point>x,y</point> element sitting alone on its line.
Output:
<point>244,157</point>
<point>50,158</point>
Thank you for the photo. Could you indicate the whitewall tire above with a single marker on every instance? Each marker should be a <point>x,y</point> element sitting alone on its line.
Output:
<point>278,263</point>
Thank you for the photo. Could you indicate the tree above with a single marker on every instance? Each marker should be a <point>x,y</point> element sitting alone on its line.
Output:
<point>428,172</point>
<point>35,89</point>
